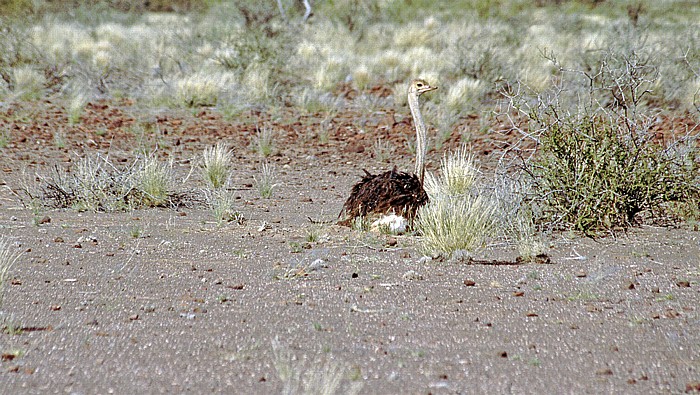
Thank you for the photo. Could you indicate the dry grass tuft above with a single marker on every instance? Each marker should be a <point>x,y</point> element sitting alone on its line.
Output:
<point>216,165</point>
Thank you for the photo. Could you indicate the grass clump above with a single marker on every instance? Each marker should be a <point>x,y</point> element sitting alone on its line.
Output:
<point>460,215</point>
<point>264,142</point>
<point>76,107</point>
<point>320,377</point>
<point>202,89</point>
<point>216,165</point>
<point>452,223</point>
<point>153,181</point>
<point>222,205</point>
<point>29,84</point>
<point>458,175</point>
<point>265,183</point>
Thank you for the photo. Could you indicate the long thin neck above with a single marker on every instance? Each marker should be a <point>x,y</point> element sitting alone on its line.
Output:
<point>421,144</point>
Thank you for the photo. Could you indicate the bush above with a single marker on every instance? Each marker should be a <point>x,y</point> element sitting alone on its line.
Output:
<point>591,175</point>
<point>599,165</point>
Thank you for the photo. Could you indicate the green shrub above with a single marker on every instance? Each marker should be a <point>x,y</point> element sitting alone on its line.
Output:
<point>592,175</point>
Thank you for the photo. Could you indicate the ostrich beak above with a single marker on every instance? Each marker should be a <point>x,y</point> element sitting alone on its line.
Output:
<point>428,89</point>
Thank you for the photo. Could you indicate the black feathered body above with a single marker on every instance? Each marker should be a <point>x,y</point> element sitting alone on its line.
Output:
<point>391,192</point>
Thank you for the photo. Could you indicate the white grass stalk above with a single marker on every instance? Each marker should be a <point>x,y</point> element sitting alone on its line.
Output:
<point>29,83</point>
<point>8,257</point>
<point>265,183</point>
<point>216,165</point>
<point>154,180</point>
<point>452,223</point>
<point>458,175</point>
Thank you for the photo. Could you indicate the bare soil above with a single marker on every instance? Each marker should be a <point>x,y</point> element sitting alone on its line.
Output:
<point>165,300</point>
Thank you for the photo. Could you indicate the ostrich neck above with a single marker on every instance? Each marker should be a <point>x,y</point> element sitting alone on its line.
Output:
<point>420,136</point>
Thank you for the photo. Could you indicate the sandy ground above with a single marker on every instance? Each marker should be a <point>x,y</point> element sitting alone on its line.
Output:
<point>166,300</point>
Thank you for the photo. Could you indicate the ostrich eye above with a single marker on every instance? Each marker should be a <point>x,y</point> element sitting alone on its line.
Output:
<point>419,85</point>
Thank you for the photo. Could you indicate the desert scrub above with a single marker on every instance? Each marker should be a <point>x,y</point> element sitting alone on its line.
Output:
<point>94,183</point>
<point>599,165</point>
<point>216,165</point>
<point>592,175</point>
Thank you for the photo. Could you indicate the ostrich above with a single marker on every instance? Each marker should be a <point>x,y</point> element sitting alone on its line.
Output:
<point>393,193</point>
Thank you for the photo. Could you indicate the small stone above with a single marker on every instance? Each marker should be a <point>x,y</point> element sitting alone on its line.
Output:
<point>133,317</point>
<point>518,293</point>
<point>503,354</point>
<point>655,290</point>
<point>412,275</point>
<point>44,220</point>
<point>581,274</point>
<point>55,307</point>
<point>58,239</point>
<point>604,372</point>
<point>629,285</point>
<point>692,386</point>
<point>683,284</point>
<point>531,314</point>
<point>469,283</point>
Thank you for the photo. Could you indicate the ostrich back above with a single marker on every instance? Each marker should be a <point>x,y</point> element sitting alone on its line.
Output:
<point>391,192</point>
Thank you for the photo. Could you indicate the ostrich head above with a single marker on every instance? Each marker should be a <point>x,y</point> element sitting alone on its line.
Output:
<point>415,89</point>
<point>418,87</point>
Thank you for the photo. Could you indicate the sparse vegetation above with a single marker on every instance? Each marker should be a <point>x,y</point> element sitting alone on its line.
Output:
<point>94,183</point>
<point>600,166</point>
<point>264,142</point>
<point>216,165</point>
<point>265,182</point>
